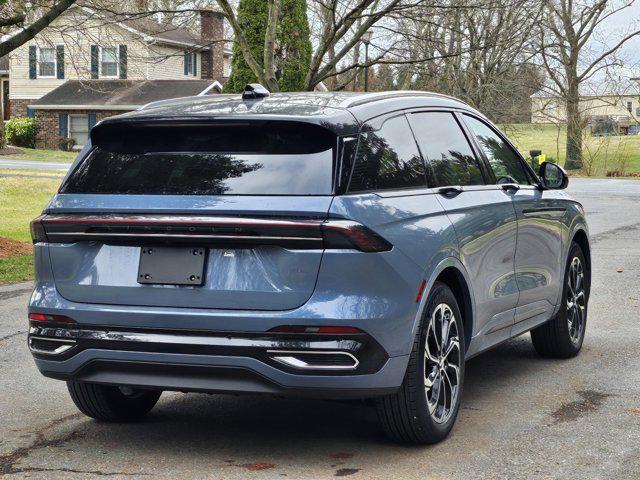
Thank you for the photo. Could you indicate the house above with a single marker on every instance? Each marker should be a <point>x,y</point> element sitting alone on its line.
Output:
<point>617,104</point>
<point>86,67</point>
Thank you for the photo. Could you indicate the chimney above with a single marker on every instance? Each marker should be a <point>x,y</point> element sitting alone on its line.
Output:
<point>212,35</point>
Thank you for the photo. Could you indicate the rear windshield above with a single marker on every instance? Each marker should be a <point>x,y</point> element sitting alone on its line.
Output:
<point>209,160</point>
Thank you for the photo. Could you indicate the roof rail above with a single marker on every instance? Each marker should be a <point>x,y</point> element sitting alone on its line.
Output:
<point>374,97</point>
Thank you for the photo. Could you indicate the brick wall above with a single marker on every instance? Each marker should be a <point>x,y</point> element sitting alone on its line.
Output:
<point>212,33</point>
<point>48,127</point>
<point>18,108</point>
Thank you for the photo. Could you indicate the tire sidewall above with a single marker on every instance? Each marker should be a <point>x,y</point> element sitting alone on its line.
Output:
<point>574,251</point>
<point>440,293</point>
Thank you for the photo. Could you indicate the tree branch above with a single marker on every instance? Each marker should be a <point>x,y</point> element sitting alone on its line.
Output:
<point>23,36</point>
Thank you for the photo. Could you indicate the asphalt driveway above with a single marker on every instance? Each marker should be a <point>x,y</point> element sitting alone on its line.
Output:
<point>521,417</point>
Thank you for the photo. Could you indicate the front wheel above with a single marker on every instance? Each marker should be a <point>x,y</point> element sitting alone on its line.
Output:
<point>562,336</point>
<point>425,407</point>
<point>112,404</point>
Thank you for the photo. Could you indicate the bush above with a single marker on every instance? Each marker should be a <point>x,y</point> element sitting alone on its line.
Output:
<point>21,132</point>
<point>66,144</point>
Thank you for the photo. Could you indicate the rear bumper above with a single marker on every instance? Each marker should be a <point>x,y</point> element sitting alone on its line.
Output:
<point>229,362</point>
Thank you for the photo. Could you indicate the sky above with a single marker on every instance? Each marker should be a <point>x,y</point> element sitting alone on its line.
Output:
<point>625,21</point>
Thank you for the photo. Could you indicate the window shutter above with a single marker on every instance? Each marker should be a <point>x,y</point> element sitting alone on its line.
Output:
<point>59,61</point>
<point>91,120</point>
<point>194,59</point>
<point>63,124</point>
<point>94,61</point>
<point>33,62</point>
<point>31,113</point>
<point>186,62</point>
<point>122,56</point>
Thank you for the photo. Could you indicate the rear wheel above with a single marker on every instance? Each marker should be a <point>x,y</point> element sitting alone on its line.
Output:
<point>112,404</point>
<point>425,407</point>
<point>562,336</point>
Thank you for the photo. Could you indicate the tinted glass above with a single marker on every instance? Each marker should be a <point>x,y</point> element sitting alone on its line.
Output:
<point>446,148</point>
<point>388,159</point>
<point>503,160</point>
<point>208,161</point>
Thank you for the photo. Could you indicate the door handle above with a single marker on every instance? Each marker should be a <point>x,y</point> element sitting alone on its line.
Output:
<point>451,191</point>
<point>510,187</point>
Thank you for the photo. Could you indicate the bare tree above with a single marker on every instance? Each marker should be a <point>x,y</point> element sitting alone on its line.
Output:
<point>481,53</point>
<point>15,15</point>
<point>567,35</point>
<point>340,27</point>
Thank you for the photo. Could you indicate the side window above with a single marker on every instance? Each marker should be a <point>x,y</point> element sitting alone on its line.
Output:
<point>503,160</point>
<point>446,148</point>
<point>388,158</point>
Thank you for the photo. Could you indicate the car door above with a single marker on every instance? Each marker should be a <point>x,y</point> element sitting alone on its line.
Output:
<point>482,215</point>
<point>538,259</point>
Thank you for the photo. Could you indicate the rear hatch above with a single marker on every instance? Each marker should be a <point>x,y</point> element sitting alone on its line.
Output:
<point>246,200</point>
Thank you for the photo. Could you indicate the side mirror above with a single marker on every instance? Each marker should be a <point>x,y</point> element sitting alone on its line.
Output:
<point>552,176</point>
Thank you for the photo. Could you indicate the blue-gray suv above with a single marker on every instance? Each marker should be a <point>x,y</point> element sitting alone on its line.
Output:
<point>325,244</point>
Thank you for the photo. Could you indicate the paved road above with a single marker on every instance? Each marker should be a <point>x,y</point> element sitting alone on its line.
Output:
<point>12,164</point>
<point>522,417</point>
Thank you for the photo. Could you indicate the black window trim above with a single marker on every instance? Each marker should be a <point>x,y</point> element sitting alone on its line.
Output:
<point>533,178</point>
<point>366,127</point>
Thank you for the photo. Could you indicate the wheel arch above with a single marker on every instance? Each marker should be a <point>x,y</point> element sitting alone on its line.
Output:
<point>452,273</point>
<point>454,279</point>
<point>582,239</point>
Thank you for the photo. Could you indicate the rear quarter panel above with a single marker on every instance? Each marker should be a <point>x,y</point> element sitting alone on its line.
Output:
<point>424,243</point>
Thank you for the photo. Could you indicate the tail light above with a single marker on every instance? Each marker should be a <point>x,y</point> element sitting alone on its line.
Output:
<point>45,317</point>
<point>348,234</point>
<point>231,232</point>
<point>37,230</point>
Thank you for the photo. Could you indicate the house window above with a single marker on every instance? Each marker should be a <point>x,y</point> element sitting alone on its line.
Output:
<point>190,61</point>
<point>79,129</point>
<point>46,62</point>
<point>630,107</point>
<point>109,62</point>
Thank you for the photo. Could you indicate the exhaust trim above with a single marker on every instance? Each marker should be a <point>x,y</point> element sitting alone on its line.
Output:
<point>65,345</point>
<point>291,358</point>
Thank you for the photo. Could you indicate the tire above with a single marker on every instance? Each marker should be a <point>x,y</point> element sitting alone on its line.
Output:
<point>408,416</point>
<point>112,404</point>
<point>558,338</point>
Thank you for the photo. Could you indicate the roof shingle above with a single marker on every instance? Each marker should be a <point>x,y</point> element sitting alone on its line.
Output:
<point>119,93</point>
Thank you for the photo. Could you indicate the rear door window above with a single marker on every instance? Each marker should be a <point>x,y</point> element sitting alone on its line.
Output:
<point>504,162</point>
<point>445,147</point>
<point>209,160</point>
<point>388,159</point>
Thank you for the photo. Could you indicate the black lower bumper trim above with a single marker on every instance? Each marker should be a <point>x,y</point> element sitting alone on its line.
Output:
<point>197,378</point>
<point>368,354</point>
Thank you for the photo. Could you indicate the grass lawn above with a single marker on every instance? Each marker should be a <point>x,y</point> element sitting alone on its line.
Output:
<point>16,269</point>
<point>21,200</point>
<point>43,155</point>
<point>601,154</point>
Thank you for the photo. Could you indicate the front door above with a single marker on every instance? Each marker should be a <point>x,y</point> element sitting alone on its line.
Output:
<point>483,217</point>
<point>538,262</point>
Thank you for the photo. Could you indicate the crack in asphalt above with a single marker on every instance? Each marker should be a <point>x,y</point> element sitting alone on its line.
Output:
<point>9,461</point>
<point>14,293</point>
<point>11,335</point>
<point>608,233</point>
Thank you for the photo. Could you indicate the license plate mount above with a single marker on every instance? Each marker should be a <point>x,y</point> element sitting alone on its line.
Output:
<point>172,265</point>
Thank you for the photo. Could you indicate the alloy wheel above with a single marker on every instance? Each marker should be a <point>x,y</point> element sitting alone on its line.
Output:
<point>442,361</point>
<point>576,301</point>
